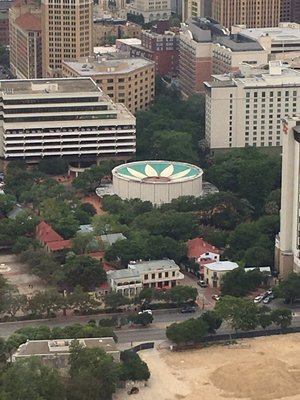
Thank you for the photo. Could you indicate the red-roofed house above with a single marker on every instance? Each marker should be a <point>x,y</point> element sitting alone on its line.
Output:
<point>97,255</point>
<point>50,239</point>
<point>202,252</point>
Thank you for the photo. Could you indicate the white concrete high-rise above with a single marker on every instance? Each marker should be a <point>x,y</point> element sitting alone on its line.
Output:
<point>246,110</point>
<point>287,243</point>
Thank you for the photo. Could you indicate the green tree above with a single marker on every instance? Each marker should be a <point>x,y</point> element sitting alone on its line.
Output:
<point>115,300</point>
<point>84,271</point>
<point>47,302</point>
<point>213,320</point>
<point>238,282</point>
<point>189,331</point>
<point>289,288</point>
<point>282,317</point>
<point>132,367</point>
<point>84,243</point>
<point>81,300</point>
<point>143,318</point>
<point>93,374</point>
<point>13,302</point>
<point>7,202</point>
<point>239,312</point>
<point>182,294</point>
<point>29,379</point>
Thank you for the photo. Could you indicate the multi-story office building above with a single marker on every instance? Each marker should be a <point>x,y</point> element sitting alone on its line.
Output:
<point>160,45</point>
<point>25,41</point>
<point>129,81</point>
<point>151,10</point>
<point>229,53</point>
<point>290,11</point>
<point>195,8</point>
<point>67,32</point>
<point>70,118</point>
<point>195,53</point>
<point>4,21</point>
<point>287,243</point>
<point>247,111</point>
<point>252,13</point>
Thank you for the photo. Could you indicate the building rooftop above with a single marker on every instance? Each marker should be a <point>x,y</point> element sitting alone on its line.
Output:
<point>205,29</point>
<point>157,171</point>
<point>29,22</point>
<point>124,274</point>
<point>103,65</point>
<point>278,35</point>
<point>54,85</point>
<point>222,266</point>
<point>273,74</point>
<point>152,265</point>
<point>235,44</point>
<point>130,41</point>
<point>111,238</point>
<point>62,346</point>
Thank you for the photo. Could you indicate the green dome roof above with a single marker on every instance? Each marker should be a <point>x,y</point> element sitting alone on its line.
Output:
<point>158,170</point>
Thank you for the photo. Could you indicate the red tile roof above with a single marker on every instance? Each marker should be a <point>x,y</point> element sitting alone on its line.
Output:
<point>29,22</point>
<point>46,234</point>
<point>198,246</point>
<point>60,245</point>
<point>107,267</point>
<point>104,286</point>
<point>96,254</point>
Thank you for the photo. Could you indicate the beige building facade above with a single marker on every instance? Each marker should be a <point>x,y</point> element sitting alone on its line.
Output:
<point>214,272</point>
<point>130,81</point>
<point>247,111</point>
<point>25,41</point>
<point>151,10</point>
<point>252,13</point>
<point>103,32</point>
<point>67,32</point>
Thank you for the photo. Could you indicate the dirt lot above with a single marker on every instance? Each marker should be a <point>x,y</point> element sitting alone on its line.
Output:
<point>254,369</point>
<point>18,275</point>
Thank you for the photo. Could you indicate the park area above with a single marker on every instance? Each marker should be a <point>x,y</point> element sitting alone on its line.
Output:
<point>254,369</point>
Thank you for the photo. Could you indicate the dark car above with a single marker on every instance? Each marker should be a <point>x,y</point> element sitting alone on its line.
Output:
<point>187,310</point>
<point>202,284</point>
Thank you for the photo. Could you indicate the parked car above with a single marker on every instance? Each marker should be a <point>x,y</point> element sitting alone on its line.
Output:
<point>202,284</point>
<point>215,297</point>
<point>146,311</point>
<point>267,300</point>
<point>258,299</point>
<point>187,310</point>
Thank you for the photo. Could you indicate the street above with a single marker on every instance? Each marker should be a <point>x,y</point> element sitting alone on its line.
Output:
<point>162,318</point>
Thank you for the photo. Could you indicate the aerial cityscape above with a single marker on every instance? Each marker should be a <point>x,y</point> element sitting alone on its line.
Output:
<point>149,199</point>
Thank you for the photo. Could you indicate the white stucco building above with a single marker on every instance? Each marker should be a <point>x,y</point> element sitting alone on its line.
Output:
<point>246,110</point>
<point>214,272</point>
<point>157,181</point>
<point>159,274</point>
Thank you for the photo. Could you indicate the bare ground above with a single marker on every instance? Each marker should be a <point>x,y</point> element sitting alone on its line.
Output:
<point>18,275</point>
<point>254,369</point>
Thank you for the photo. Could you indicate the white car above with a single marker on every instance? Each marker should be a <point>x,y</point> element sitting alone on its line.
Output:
<point>146,311</point>
<point>258,299</point>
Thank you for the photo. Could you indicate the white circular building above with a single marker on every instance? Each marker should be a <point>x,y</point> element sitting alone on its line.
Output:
<point>157,181</point>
